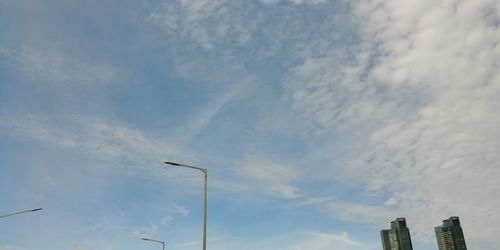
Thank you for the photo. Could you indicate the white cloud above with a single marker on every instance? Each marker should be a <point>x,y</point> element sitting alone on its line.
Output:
<point>293,240</point>
<point>324,241</point>
<point>359,212</point>
<point>442,158</point>
<point>174,210</point>
<point>103,140</point>
<point>201,21</point>
<point>57,67</point>
<point>310,2</point>
<point>295,2</point>
<point>270,177</point>
<point>166,220</point>
<point>115,144</point>
<point>188,244</point>
<point>194,243</point>
<point>210,110</point>
<point>353,211</point>
<point>424,81</point>
<point>391,202</point>
<point>258,175</point>
<point>136,231</point>
<point>178,209</point>
<point>142,232</point>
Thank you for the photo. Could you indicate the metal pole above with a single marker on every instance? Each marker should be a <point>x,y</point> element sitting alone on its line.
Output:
<point>21,212</point>
<point>205,212</point>
<point>205,173</point>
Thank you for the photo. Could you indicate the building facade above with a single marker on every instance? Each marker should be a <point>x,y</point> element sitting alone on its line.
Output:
<point>398,237</point>
<point>450,235</point>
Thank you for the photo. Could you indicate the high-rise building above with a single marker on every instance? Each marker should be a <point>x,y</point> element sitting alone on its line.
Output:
<point>398,237</point>
<point>450,235</point>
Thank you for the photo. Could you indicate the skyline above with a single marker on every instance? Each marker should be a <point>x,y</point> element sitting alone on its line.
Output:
<point>320,121</point>
<point>449,235</point>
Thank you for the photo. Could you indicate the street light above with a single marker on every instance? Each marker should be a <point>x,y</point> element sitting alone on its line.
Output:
<point>22,212</point>
<point>205,172</point>
<point>159,241</point>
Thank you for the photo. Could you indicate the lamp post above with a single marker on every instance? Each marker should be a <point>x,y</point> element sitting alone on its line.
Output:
<point>205,173</point>
<point>21,212</point>
<point>159,241</point>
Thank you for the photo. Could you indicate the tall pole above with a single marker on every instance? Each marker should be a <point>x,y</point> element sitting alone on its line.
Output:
<point>21,212</point>
<point>205,173</point>
<point>205,212</point>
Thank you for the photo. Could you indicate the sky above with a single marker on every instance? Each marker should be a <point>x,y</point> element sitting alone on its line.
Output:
<point>319,122</point>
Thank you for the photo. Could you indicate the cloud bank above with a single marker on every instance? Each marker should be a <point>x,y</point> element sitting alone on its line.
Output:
<point>438,156</point>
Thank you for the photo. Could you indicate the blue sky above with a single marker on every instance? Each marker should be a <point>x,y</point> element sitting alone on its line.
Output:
<point>320,122</point>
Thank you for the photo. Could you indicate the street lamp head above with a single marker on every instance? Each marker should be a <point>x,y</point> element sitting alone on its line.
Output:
<point>172,163</point>
<point>21,212</point>
<point>159,241</point>
<point>204,170</point>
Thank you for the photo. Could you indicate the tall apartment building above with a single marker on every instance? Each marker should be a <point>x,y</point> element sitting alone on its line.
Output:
<point>450,235</point>
<point>398,237</point>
